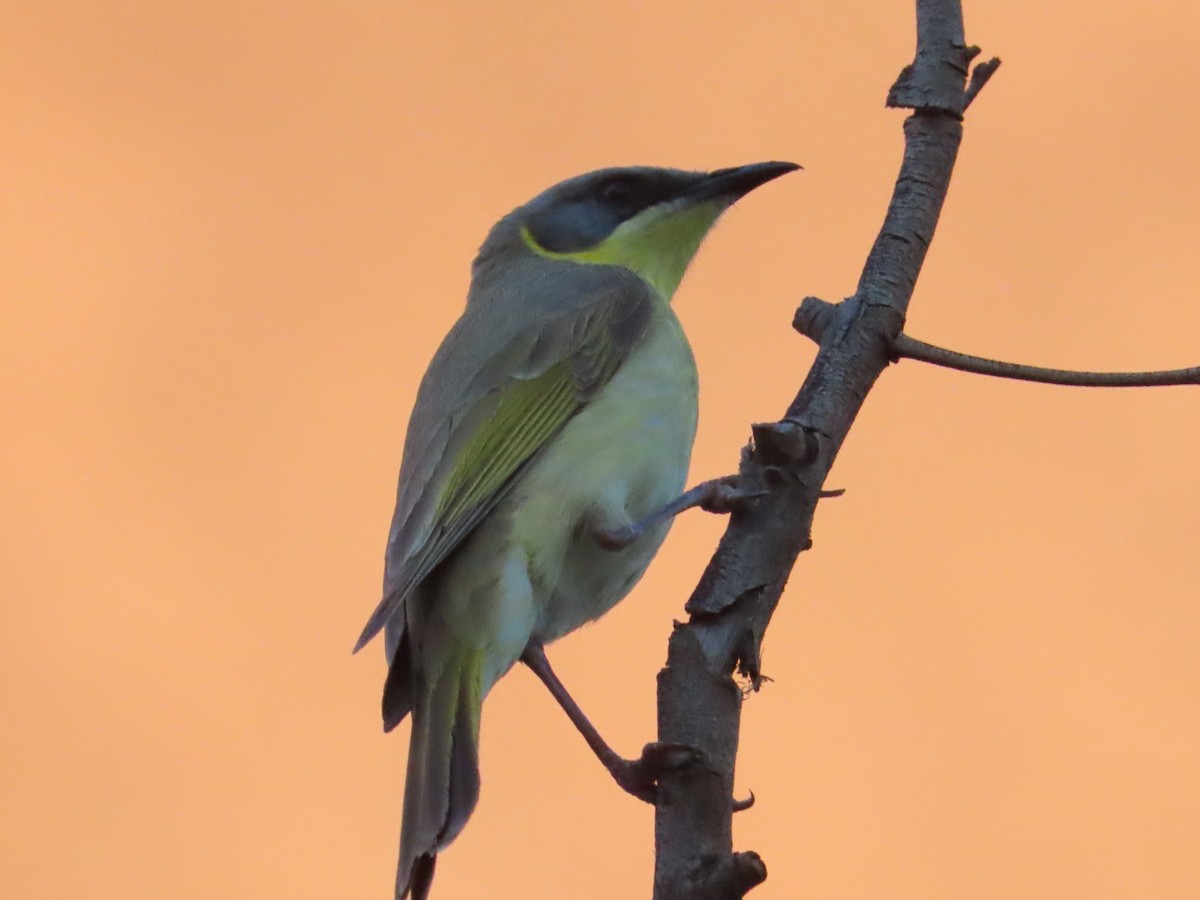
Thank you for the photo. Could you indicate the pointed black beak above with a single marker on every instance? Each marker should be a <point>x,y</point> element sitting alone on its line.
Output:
<point>733,184</point>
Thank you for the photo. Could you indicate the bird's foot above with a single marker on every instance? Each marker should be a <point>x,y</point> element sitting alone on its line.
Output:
<point>721,495</point>
<point>640,776</point>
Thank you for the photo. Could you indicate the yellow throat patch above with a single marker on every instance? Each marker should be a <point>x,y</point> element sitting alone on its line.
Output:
<point>657,244</point>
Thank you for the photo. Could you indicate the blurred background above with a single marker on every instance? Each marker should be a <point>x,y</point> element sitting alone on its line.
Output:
<point>231,236</point>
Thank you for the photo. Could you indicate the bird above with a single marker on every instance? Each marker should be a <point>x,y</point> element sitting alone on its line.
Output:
<point>550,434</point>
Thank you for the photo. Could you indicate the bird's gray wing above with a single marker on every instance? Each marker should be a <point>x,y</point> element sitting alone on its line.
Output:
<point>482,414</point>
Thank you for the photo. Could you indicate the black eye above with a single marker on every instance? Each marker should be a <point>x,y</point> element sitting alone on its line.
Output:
<point>619,194</point>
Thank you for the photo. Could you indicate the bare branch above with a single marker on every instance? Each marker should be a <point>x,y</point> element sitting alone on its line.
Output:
<point>699,702</point>
<point>934,81</point>
<point>910,348</point>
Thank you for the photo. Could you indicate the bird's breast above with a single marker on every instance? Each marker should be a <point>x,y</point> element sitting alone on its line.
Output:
<point>624,455</point>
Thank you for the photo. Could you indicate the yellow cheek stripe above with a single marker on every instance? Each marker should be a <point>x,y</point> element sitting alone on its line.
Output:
<point>657,244</point>
<point>583,256</point>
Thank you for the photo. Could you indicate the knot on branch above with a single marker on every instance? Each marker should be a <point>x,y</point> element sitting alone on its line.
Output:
<point>728,877</point>
<point>814,318</point>
<point>735,875</point>
<point>747,870</point>
<point>785,443</point>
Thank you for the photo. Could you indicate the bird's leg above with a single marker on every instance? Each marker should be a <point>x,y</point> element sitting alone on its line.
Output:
<point>637,776</point>
<point>721,495</point>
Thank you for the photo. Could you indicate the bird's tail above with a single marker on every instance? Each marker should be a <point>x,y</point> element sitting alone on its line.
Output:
<point>442,786</point>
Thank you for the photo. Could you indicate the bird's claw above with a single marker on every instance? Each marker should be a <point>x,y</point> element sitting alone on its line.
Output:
<point>724,496</point>
<point>640,776</point>
<point>721,495</point>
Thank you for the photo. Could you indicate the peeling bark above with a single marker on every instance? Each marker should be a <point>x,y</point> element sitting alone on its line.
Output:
<point>699,700</point>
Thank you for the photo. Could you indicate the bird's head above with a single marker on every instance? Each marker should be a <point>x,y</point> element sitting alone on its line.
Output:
<point>648,220</point>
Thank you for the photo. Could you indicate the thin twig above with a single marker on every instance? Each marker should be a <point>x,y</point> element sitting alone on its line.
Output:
<point>910,348</point>
<point>979,77</point>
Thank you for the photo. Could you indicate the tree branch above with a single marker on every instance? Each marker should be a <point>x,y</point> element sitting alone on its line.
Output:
<point>699,703</point>
<point>910,348</point>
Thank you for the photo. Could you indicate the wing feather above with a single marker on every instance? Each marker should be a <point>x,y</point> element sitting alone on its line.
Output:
<point>478,422</point>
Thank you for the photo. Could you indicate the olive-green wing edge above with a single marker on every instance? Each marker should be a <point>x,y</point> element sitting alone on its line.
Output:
<point>582,351</point>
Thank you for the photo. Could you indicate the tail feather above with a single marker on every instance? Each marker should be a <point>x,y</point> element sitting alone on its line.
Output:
<point>442,785</point>
<point>464,759</point>
<point>398,687</point>
<point>422,875</point>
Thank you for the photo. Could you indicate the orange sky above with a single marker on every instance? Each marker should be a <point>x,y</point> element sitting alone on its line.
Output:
<point>232,235</point>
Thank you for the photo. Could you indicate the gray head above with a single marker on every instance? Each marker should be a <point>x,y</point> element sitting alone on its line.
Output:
<point>645,219</point>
